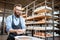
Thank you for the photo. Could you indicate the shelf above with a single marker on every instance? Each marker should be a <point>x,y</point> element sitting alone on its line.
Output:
<point>41,22</point>
<point>42,34</point>
<point>35,17</point>
<point>43,9</point>
<point>45,35</point>
<point>43,28</point>
<point>48,25</point>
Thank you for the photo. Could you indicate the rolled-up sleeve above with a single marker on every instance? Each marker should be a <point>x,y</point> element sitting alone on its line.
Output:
<point>8,24</point>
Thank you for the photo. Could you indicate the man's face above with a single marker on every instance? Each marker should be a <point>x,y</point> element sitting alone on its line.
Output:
<point>18,11</point>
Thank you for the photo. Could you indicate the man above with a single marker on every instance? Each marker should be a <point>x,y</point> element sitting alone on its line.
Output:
<point>15,24</point>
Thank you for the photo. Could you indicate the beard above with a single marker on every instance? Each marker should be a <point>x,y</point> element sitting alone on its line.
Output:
<point>17,14</point>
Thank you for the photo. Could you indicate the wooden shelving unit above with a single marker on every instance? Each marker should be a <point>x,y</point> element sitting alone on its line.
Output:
<point>42,21</point>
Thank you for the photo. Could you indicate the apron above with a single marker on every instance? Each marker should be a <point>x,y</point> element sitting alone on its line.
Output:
<point>12,35</point>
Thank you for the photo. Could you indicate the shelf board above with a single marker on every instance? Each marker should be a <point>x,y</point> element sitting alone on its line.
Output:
<point>34,23</point>
<point>42,36</point>
<point>42,29</point>
<point>46,30</point>
<point>35,17</point>
<point>29,18</point>
<point>39,22</point>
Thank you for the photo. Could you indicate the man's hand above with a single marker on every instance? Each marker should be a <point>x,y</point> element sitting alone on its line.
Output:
<point>20,31</point>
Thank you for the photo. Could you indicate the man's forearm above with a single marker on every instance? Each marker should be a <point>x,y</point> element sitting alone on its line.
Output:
<point>15,30</point>
<point>12,30</point>
<point>18,31</point>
